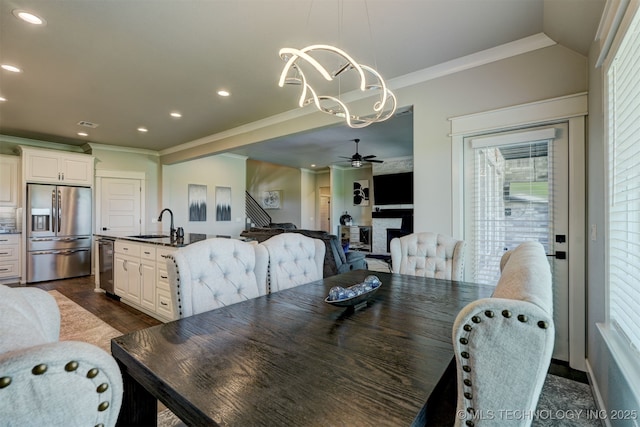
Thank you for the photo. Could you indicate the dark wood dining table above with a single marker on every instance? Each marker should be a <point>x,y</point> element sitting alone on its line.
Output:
<point>291,359</point>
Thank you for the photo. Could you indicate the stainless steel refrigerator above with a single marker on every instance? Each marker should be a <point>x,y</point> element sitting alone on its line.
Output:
<point>58,232</point>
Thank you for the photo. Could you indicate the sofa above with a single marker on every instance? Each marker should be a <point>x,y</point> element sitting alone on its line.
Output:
<point>336,261</point>
<point>503,344</point>
<point>47,382</point>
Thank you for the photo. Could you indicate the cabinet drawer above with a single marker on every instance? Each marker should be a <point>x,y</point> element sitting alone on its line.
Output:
<point>9,253</point>
<point>9,239</point>
<point>163,304</point>
<point>148,252</point>
<point>127,248</point>
<point>162,281</point>
<point>161,254</point>
<point>9,268</point>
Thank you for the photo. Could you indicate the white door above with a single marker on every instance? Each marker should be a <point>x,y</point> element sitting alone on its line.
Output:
<point>325,213</point>
<point>120,202</point>
<point>516,190</point>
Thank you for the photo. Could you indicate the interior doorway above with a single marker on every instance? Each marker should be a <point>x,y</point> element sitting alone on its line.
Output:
<point>325,209</point>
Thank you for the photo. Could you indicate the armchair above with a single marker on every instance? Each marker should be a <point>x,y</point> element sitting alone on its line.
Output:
<point>216,272</point>
<point>294,259</point>
<point>44,381</point>
<point>429,255</point>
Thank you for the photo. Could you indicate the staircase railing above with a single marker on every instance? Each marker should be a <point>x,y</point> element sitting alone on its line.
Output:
<point>255,213</point>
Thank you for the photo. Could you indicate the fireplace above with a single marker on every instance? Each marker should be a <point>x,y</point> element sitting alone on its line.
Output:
<point>392,233</point>
<point>387,224</point>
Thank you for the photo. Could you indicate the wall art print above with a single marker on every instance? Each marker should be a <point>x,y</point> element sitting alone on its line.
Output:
<point>271,199</point>
<point>223,203</point>
<point>197,195</point>
<point>361,193</point>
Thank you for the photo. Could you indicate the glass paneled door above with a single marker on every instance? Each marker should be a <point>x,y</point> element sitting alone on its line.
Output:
<point>516,190</point>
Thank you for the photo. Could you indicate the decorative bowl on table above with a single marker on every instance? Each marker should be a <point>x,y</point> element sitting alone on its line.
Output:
<point>354,295</point>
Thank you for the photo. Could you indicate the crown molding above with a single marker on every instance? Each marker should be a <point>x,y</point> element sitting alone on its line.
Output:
<point>527,44</point>
<point>89,146</point>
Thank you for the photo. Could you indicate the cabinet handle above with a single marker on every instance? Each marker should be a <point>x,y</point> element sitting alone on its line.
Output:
<point>164,256</point>
<point>63,176</point>
<point>163,303</point>
<point>4,253</point>
<point>140,269</point>
<point>147,253</point>
<point>163,277</point>
<point>6,240</point>
<point>124,265</point>
<point>4,269</point>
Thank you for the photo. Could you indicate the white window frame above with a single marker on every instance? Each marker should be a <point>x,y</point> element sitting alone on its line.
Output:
<point>618,345</point>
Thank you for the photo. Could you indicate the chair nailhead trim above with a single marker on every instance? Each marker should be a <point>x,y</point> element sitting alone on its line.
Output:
<point>467,382</point>
<point>39,369</point>
<point>476,319</point>
<point>465,355</point>
<point>71,366</point>
<point>468,395</point>
<point>93,373</point>
<point>103,406</point>
<point>506,313</point>
<point>489,313</point>
<point>466,368</point>
<point>469,423</point>
<point>5,382</point>
<point>464,341</point>
<point>467,328</point>
<point>522,318</point>
<point>543,325</point>
<point>100,425</point>
<point>102,388</point>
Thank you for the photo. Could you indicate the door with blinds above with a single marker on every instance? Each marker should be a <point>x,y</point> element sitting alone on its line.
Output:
<point>516,190</point>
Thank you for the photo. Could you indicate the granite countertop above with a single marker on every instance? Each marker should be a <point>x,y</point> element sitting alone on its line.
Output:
<point>161,240</point>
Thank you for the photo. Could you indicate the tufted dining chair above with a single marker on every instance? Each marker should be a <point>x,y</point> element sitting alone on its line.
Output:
<point>428,254</point>
<point>47,382</point>
<point>216,272</point>
<point>294,259</point>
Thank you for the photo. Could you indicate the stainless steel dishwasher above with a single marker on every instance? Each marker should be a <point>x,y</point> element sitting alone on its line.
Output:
<point>105,254</point>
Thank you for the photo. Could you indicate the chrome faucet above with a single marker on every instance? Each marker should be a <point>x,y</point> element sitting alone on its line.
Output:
<point>172,231</point>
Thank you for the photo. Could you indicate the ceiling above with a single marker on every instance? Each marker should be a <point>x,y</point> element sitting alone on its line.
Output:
<point>123,64</point>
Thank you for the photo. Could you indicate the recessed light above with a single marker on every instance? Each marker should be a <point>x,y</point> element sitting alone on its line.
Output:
<point>2,99</point>
<point>143,129</point>
<point>176,115</point>
<point>11,68</point>
<point>313,165</point>
<point>83,134</point>
<point>223,93</point>
<point>28,17</point>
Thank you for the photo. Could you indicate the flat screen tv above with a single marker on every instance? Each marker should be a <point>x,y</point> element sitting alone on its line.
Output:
<point>393,189</point>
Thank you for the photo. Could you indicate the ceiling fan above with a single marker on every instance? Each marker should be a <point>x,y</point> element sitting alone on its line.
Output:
<point>357,160</point>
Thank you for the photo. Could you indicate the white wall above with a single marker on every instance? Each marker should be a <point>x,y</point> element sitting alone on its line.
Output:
<point>224,170</point>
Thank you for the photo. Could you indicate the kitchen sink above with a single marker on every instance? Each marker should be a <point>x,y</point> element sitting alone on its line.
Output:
<point>149,236</point>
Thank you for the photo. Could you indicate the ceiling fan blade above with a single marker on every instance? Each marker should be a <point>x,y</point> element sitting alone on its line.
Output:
<point>374,161</point>
<point>369,157</point>
<point>343,157</point>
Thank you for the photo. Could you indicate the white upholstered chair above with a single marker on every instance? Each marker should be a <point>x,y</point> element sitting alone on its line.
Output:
<point>294,259</point>
<point>214,273</point>
<point>429,255</point>
<point>47,382</point>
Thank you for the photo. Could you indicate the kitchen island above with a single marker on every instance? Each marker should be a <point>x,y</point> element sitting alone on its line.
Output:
<point>139,270</point>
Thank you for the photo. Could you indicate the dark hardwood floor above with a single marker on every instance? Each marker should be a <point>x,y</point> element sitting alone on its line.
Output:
<point>81,290</point>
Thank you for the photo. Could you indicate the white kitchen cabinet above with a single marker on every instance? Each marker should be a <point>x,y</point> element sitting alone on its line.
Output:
<point>127,271</point>
<point>9,258</point>
<point>140,278</point>
<point>148,277</point>
<point>9,180</point>
<point>57,166</point>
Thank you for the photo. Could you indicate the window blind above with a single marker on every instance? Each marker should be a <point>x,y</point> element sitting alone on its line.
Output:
<point>624,186</point>
<point>511,200</point>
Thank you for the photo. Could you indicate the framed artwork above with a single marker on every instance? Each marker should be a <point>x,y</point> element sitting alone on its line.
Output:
<point>361,193</point>
<point>223,203</point>
<point>197,195</point>
<point>271,199</point>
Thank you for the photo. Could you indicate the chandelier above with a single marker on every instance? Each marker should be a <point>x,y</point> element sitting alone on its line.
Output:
<point>296,60</point>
